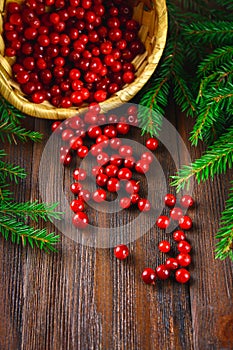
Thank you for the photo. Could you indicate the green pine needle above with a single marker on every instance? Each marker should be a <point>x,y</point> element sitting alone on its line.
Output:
<point>20,232</point>
<point>13,172</point>
<point>12,132</point>
<point>216,160</point>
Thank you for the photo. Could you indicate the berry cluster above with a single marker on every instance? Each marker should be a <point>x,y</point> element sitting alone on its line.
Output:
<point>71,52</point>
<point>183,259</point>
<point>115,164</point>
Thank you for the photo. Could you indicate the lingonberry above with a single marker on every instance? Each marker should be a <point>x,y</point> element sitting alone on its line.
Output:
<point>152,144</point>
<point>176,213</point>
<point>163,221</point>
<point>171,264</point>
<point>182,276</point>
<point>79,174</point>
<point>121,251</point>
<point>77,205</point>
<point>75,188</point>
<point>170,200</point>
<point>185,222</point>
<point>80,220</point>
<point>187,201</point>
<point>162,272</point>
<point>99,195</point>
<point>179,236</point>
<point>125,202</point>
<point>164,246</point>
<point>149,276</point>
<point>184,259</point>
<point>184,247</point>
<point>144,204</point>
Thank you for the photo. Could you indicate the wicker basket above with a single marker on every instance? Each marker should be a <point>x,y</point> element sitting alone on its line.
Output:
<point>153,20</point>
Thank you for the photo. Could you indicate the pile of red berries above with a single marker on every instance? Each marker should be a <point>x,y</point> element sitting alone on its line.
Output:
<point>71,51</point>
<point>183,259</point>
<point>114,161</point>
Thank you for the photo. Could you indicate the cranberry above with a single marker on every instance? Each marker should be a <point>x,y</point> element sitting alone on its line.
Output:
<point>94,131</point>
<point>123,128</point>
<point>101,180</point>
<point>125,202</point>
<point>142,166</point>
<point>183,259</point>
<point>179,236</point>
<point>125,151</point>
<point>55,126</point>
<point>147,157</point>
<point>115,143</point>
<point>110,131</point>
<point>144,205</point>
<point>182,276</point>
<point>111,170</point>
<point>149,276</point>
<point>102,158</point>
<point>115,159</point>
<point>186,201</point>
<point>163,221</point>
<point>77,205</point>
<point>176,213</point>
<point>184,247</point>
<point>103,140</point>
<point>84,195</point>
<point>185,222</point>
<point>66,159</point>
<point>75,188</point>
<point>162,272</point>
<point>75,142</point>
<point>164,246</point>
<point>80,220</point>
<point>170,200</point>
<point>152,144</point>
<point>134,198</point>
<point>124,174</point>
<point>171,264</point>
<point>129,162</point>
<point>99,195</point>
<point>113,184</point>
<point>67,134</point>
<point>82,151</point>
<point>79,174</point>
<point>132,187</point>
<point>121,251</point>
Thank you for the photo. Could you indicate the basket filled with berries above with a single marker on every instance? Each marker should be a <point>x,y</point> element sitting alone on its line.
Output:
<point>59,56</point>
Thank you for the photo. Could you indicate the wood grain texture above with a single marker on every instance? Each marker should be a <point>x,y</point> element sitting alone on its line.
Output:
<point>82,298</point>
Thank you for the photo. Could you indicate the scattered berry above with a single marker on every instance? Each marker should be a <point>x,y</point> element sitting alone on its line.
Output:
<point>185,222</point>
<point>162,272</point>
<point>170,200</point>
<point>182,276</point>
<point>164,246</point>
<point>121,251</point>
<point>163,221</point>
<point>187,201</point>
<point>149,276</point>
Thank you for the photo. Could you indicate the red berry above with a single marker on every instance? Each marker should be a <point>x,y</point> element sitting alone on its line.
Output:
<point>75,188</point>
<point>121,251</point>
<point>185,222</point>
<point>171,264</point>
<point>115,143</point>
<point>94,131</point>
<point>184,247</point>
<point>162,272</point>
<point>113,184</point>
<point>144,204</point>
<point>125,151</point>
<point>77,205</point>
<point>170,200</point>
<point>66,159</point>
<point>152,144</point>
<point>179,236</point>
<point>134,198</point>
<point>110,131</point>
<point>176,213</point>
<point>84,195</point>
<point>149,276</point>
<point>82,151</point>
<point>132,187</point>
<point>187,201</point>
<point>101,180</point>
<point>123,128</point>
<point>163,221</point>
<point>147,157</point>
<point>55,126</point>
<point>80,220</point>
<point>142,166</point>
<point>164,246</point>
<point>183,259</point>
<point>99,195</point>
<point>125,202</point>
<point>111,170</point>
<point>182,276</point>
<point>102,158</point>
<point>79,174</point>
<point>124,174</point>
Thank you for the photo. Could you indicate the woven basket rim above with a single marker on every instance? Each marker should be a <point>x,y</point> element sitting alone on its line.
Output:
<point>47,111</point>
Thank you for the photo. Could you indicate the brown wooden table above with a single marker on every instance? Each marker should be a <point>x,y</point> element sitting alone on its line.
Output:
<point>83,298</point>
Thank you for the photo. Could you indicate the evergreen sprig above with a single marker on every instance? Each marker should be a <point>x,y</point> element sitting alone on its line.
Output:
<point>14,217</point>
<point>196,69</point>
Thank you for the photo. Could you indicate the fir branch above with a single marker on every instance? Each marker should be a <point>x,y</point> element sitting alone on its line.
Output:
<point>224,248</point>
<point>13,172</point>
<point>5,193</point>
<point>215,32</point>
<point>9,113</point>
<point>216,160</point>
<point>32,210</point>
<point>19,232</point>
<point>12,132</point>
<point>215,60</point>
